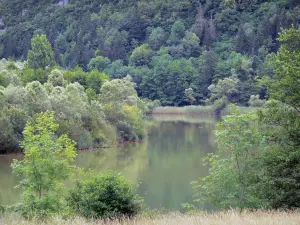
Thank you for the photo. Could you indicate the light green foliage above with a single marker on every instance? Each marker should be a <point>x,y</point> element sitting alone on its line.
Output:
<point>254,101</point>
<point>190,44</point>
<point>56,78</point>
<point>177,32</point>
<point>157,38</point>
<point>41,54</point>
<point>95,79</point>
<point>106,195</point>
<point>141,55</point>
<point>235,172</point>
<point>99,63</point>
<point>47,163</point>
<point>224,92</point>
<point>121,107</point>
<point>37,98</point>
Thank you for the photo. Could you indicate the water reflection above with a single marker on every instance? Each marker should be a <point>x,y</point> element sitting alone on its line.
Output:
<point>163,165</point>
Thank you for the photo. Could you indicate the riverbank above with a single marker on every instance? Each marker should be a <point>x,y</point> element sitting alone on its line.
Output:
<point>222,218</point>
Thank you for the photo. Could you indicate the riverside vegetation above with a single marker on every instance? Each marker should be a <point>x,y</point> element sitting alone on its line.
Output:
<point>103,65</point>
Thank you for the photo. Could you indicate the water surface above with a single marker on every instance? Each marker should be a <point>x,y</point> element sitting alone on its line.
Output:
<point>162,166</point>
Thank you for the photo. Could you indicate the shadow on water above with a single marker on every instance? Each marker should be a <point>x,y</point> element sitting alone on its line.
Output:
<point>162,166</point>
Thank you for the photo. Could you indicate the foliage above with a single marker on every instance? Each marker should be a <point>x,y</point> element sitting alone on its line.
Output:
<point>235,170</point>
<point>106,195</point>
<point>254,101</point>
<point>221,39</point>
<point>41,54</point>
<point>46,164</point>
<point>259,166</point>
<point>123,108</point>
<point>281,117</point>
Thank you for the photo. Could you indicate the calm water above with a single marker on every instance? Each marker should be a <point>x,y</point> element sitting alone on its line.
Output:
<point>163,165</point>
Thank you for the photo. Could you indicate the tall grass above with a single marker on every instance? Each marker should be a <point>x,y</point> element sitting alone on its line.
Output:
<point>199,110</point>
<point>217,218</point>
<point>184,118</point>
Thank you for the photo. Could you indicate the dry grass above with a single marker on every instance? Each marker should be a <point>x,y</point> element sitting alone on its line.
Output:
<point>222,218</point>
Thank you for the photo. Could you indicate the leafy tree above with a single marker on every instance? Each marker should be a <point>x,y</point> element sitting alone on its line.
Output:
<point>177,32</point>
<point>227,87</point>
<point>157,38</point>
<point>283,86</point>
<point>281,117</point>
<point>41,54</point>
<point>99,63</point>
<point>233,180</point>
<point>46,164</point>
<point>96,79</point>
<point>141,55</point>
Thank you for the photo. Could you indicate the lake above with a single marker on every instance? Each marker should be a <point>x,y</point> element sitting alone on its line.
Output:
<point>163,165</point>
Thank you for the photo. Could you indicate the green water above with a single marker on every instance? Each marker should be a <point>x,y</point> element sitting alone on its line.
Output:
<point>163,165</point>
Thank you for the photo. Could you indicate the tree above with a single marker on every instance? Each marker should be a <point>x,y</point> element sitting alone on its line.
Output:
<point>157,38</point>
<point>177,32</point>
<point>41,54</point>
<point>233,180</point>
<point>121,107</point>
<point>46,165</point>
<point>227,87</point>
<point>141,55</point>
<point>284,85</point>
<point>281,118</point>
<point>95,80</point>
<point>99,63</point>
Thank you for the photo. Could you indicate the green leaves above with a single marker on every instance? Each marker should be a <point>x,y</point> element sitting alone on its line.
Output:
<point>41,54</point>
<point>106,195</point>
<point>235,169</point>
<point>284,85</point>
<point>46,165</point>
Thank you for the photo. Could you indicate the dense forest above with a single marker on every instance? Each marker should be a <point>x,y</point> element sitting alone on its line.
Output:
<point>179,52</point>
<point>77,74</point>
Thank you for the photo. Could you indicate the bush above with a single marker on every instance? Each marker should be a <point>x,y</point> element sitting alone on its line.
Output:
<point>254,101</point>
<point>105,195</point>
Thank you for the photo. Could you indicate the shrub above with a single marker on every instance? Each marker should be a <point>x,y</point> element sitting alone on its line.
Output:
<point>254,101</point>
<point>105,195</point>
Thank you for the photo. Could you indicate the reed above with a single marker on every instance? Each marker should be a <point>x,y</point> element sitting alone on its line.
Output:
<point>199,110</point>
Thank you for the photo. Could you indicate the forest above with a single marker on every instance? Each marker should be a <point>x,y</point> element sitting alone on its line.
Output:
<point>82,74</point>
<point>175,51</point>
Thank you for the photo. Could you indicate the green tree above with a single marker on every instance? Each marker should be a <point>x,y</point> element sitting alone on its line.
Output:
<point>46,165</point>
<point>41,54</point>
<point>141,55</point>
<point>281,117</point>
<point>99,63</point>
<point>177,32</point>
<point>95,80</point>
<point>157,38</point>
<point>234,176</point>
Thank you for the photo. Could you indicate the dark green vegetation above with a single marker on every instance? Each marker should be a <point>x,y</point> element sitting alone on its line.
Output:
<point>259,153</point>
<point>90,66</point>
<point>104,196</point>
<point>180,52</point>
